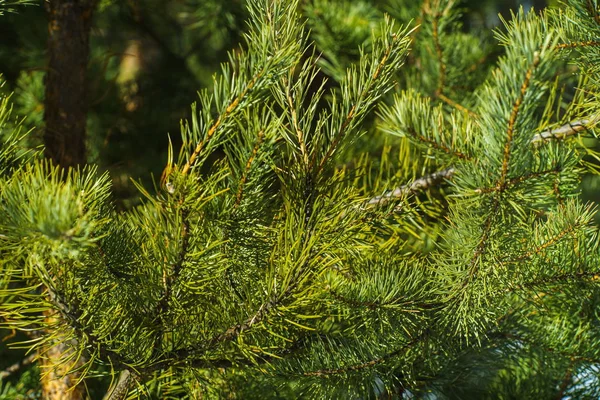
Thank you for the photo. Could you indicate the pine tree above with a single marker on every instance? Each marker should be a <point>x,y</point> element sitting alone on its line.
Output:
<point>280,258</point>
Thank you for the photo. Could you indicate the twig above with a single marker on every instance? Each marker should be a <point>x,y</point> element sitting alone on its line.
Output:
<point>572,45</point>
<point>119,390</point>
<point>562,132</point>
<point>417,185</point>
<point>428,181</point>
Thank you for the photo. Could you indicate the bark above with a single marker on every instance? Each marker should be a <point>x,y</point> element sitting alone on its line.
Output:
<point>58,382</point>
<point>121,387</point>
<point>65,115</point>
<point>69,23</point>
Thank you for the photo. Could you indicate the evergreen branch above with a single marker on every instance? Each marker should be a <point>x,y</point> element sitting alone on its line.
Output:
<point>481,247</point>
<point>546,244</point>
<point>518,338</point>
<point>427,181</point>
<point>169,279</point>
<point>454,104</point>
<point>295,123</point>
<point>592,10</point>
<point>438,146</point>
<point>367,364</point>
<point>215,126</point>
<point>442,67</point>
<point>480,250</point>
<point>557,279</point>
<point>589,43</point>
<point>83,331</point>
<point>512,121</point>
<point>415,186</point>
<point>440,55</point>
<point>234,331</point>
<point>372,305</point>
<point>16,366</point>
<point>352,113</point>
<point>238,196</point>
<point>520,179</point>
<point>569,129</point>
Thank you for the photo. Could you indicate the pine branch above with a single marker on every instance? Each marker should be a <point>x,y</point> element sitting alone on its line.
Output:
<point>295,123</point>
<point>569,129</point>
<point>454,104</point>
<point>590,43</point>
<point>558,279</point>
<point>170,278</point>
<point>439,53</point>
<point>372,305</point>
<point>438,146</point>
<point>354,111</point>
<point>415,186</point>
<point>512,121</point>
<point>570,229</point>
<point>242,182</point>
<point>428,181</point>
<point>121,388</point>
<point>529,342</point>
<point>215,126</point>
<point>520,179</point>
<point>367,364</point>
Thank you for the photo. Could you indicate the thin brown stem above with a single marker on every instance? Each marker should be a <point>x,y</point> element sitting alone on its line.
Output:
<point>238,196</point>
<point>512,121</point>
<point>415,186</point>
<point>590,43</point>
<point>454,104</point>
<point>215,126</point>
<point>352,113</point>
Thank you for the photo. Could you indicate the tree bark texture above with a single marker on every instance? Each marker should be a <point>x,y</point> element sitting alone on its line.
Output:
<point>58,382</point>
<point>69,23</point>
<point>65,116</point>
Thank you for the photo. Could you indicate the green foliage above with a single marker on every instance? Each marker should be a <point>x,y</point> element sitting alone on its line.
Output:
<point>278,258</point>
<point>8,5</point>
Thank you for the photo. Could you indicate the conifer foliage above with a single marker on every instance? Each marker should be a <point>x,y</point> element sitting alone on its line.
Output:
<point>275,259</point>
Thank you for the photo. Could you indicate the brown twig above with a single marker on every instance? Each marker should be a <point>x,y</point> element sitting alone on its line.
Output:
<point>415,186</point>
<point>570,129</point>
<point>238,196</point>
<point>512,121</point>
<point>352,113</point>
<point>590,43</point>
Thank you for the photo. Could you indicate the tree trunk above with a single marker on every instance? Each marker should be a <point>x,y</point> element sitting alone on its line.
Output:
<point>65,115</point>
<point>57,380</point>
<point>69,23</point>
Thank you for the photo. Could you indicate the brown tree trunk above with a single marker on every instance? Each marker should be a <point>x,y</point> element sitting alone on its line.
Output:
<point>65,115</point>
<point>57,381</point>
<point>69,23</point>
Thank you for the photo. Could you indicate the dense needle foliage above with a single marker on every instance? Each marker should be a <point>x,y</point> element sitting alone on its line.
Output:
<point>410,226</point>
